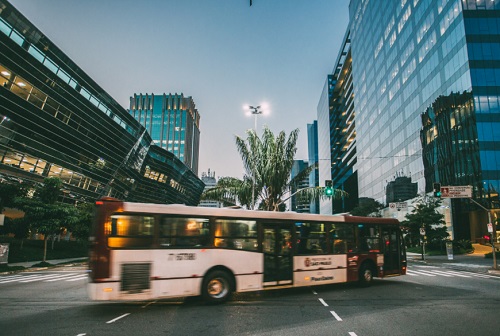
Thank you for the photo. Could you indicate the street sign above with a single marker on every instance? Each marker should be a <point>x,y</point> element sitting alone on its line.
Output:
<point>456,192</point>
<point>490,227</point>
<point>398,206</point>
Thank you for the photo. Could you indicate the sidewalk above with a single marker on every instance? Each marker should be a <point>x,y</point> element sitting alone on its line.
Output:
<point>474,262</point>
<point>29,264</point>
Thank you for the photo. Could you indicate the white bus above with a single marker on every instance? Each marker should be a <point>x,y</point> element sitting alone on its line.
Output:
<point>148,251</point>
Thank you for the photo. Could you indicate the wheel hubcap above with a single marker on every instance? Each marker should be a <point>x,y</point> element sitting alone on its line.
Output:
<point>217,288</point>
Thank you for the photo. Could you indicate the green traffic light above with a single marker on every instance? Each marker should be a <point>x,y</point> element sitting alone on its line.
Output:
<point>328,191</point>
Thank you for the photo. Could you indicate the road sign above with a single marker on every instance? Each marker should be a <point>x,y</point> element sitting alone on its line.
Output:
<point>490,227</point>
<point>398,206</point>
<point>456,192</point>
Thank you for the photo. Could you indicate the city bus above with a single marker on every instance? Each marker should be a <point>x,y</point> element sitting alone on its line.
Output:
<point>145,251</point>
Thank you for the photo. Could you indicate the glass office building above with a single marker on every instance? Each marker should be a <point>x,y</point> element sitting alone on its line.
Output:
<point>55,121</point>
<point>337,133</point>
<point>312,153</point>
<point>408,55</point>
<point>173,122</point>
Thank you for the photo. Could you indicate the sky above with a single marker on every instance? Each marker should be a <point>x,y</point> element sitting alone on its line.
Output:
<point>224,53</point>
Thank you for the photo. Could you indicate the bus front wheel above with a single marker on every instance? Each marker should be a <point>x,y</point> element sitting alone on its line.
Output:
<point>216,287</point>
<point>365,275</point>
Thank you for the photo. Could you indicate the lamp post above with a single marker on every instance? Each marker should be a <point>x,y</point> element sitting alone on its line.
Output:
<point>255,111</point>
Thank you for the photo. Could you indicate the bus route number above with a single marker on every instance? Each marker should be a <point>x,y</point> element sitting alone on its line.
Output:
<point>182,256</point>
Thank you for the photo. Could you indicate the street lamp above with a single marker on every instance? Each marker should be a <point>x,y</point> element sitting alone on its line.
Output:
<point>255,110</point>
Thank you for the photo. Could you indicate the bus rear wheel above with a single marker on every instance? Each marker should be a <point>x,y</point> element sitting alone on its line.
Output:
<point>216,287</point>
<point>365,275</point>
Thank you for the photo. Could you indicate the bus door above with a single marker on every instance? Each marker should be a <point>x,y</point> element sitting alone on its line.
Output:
<point>278,259</point>
<point>390,236</point>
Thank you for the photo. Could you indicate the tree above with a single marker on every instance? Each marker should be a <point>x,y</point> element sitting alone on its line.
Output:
<point>368,207</point>
<point>81,228</point>
<point>44,214</point>
<point>9,192</point>
<point>425,216</point>
<point>267,183</point>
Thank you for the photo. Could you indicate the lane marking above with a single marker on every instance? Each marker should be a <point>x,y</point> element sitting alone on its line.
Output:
<point>119,317</point>
<point>81,334</point>
<point>422,273</point>
<point>67,278</point>
<point>335,315</point>
<point>351,333</point>
<point>314,292</point>
<point>45,277</point>
<point>323,302</point>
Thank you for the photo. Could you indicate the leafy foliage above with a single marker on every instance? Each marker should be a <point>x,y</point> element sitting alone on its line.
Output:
<point>268,164</point>
<point>44,213</point>
<point>425,216</point>
<point>369,207</point>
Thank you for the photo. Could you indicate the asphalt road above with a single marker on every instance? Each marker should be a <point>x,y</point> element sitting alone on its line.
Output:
<point>429,301</point>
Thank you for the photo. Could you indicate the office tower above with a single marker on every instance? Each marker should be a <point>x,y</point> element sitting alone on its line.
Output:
<point>173,122</point>
<point>312,150</point>
<point>336,119</point>
<point>297,203</point>
<point>413,61</point>
<point>55,121</point>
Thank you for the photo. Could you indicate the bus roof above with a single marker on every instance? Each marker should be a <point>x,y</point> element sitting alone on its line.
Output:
<point>179,209</point>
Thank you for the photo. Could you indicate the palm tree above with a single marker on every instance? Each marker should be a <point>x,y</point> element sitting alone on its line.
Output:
<point>268,163</point>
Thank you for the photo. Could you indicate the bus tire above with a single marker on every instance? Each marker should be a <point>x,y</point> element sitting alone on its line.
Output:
<point>216,287</point>
<point>365,275</point>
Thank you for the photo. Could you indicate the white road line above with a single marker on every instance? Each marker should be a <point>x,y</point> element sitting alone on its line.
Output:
<point>458,274</point>
<point>352,333</point>
<point>119,317</point>
<point>81,334</point>
<point>65,277</point>
<point>441,273</point>
<point>17,279</point>
<point>408,272</point>
<point>314,292</point>
<point>43,277</point>
<point>323,302</point>
<point>422,273</point>
<point>335,315</point>
<point>81,277</point>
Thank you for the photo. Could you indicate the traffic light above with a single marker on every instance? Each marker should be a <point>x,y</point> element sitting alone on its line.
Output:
<point>328,188</point>
<point>437,189</point>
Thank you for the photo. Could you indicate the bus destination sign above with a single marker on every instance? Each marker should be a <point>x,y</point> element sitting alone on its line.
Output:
<point>456,192</point>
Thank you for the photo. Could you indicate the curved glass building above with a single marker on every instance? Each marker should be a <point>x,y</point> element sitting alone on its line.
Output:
<point>56,121</point>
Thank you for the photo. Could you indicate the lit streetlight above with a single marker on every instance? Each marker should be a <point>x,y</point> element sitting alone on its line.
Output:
<point>255,111</point>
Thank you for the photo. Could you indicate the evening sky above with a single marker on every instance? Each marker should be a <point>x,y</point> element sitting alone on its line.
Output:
<point>223,53</point>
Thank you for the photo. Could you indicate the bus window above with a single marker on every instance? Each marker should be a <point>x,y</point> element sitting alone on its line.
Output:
<point>311,239</point>
<point>184,232</point>
<point>369,238</point>
<point>236,234</point>
<point>342,238</point>
<point>131,231</point>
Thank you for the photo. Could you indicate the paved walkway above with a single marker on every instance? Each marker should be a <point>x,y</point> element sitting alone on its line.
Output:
<point>29,264</point>
<point>475,262</point>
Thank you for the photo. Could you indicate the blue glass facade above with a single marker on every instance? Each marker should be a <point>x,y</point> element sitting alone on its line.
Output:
<point>407,55</point>
<point>312,150</point>
<point>173,122</point>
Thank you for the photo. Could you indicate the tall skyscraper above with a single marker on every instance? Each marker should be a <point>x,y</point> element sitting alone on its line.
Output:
<point>173,122</point>
<point>336,120</point>
<point>299,204</point>
<point>412,55</point>
<point>312,150</point>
